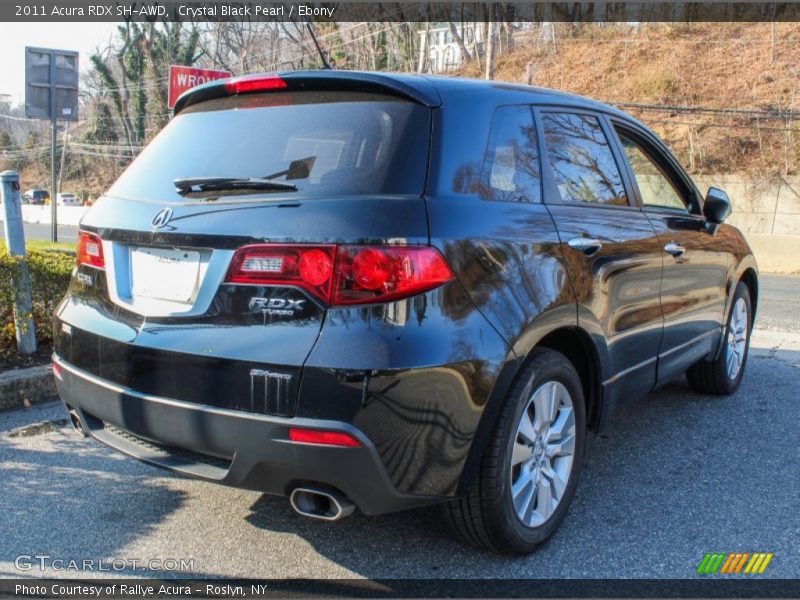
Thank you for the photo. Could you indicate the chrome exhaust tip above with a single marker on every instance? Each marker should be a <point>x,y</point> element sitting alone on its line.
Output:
<point>325,505</point>
<point>76,422</point>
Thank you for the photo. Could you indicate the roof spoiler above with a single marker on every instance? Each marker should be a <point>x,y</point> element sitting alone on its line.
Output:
<point>415,88</point>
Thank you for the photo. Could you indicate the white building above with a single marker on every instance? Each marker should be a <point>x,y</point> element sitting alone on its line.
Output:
<point>438,50</point>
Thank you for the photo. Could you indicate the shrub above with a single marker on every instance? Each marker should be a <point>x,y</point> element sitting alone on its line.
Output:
<point>659,85</point>
<point>50,271</point>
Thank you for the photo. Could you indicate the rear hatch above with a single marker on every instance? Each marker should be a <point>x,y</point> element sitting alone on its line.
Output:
<point>206,267</point>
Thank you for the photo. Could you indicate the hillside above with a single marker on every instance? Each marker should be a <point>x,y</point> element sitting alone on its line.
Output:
<point>715,66</point>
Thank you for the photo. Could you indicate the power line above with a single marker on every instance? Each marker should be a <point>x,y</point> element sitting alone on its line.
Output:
<point>788,115</point>
<point>725,126</point>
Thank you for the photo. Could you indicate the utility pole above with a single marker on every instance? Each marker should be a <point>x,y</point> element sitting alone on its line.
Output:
<point>53,140</point>
<point>63,156</point>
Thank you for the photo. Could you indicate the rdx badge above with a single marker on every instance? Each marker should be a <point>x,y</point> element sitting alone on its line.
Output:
<point>283,307</point>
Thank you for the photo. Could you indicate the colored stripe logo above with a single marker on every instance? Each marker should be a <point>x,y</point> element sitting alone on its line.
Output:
<point>734,563</point>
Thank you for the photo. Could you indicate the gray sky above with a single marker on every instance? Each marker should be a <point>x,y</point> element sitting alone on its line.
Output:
<point>83,37</point>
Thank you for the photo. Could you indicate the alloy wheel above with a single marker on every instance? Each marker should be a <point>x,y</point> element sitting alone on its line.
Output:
<point>542,457</point>
<point>737,339</point>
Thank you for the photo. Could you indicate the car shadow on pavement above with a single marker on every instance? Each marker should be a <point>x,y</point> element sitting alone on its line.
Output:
<point>64,479</point>
<point>649,479</point>
<point>369,545</point>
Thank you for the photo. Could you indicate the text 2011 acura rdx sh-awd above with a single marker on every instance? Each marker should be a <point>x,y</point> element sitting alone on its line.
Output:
<point>386,291</point>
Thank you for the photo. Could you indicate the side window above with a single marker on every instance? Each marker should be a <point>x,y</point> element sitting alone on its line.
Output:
<point>581,159</point>
<point>510,169</point>
<point>655,187</point>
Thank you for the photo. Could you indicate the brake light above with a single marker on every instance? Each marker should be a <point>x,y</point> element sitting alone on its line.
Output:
<point>342,275</point>
<point>254,83</point>
<point>327,438</point>
<point>90,250</point>
<point>379,273</point>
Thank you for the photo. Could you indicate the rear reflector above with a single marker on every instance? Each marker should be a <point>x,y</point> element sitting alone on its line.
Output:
<point>327,438</point>
<point>343,275</point>
<point>57,371</point>
<point>90,250</point>
<point>254,83</point>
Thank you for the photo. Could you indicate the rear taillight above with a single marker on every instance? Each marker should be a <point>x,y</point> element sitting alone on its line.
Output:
<point>343,275</point>
<point>307,267</point>
<point>90,250</point>
<point>254,83</point>
<point>380,273</point>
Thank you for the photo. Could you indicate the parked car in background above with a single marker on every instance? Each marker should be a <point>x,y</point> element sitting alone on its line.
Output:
<point>421,290</point>
<point>69,199</point>
<point>36,196</point>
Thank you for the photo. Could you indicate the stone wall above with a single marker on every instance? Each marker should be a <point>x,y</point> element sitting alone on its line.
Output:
<point>765,206</point>
<point>767,210</point>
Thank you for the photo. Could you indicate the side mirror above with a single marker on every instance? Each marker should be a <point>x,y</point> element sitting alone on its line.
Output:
<point>716,207</point>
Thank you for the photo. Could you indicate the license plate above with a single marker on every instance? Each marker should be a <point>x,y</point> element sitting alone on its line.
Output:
<point>164,274</point>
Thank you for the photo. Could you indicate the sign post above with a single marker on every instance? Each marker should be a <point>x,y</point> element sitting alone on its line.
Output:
<point>184,78</point>
<point>20,280</point>
<point>51,93</point>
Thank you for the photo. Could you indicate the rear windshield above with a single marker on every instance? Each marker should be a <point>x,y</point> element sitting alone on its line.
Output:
<point>331,143</point>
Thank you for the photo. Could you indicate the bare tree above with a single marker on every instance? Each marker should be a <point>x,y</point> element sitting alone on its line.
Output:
<point>490,35</point>
<point>465,55</point>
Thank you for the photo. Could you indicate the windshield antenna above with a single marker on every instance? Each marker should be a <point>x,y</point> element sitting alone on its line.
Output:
<point>326,65</point>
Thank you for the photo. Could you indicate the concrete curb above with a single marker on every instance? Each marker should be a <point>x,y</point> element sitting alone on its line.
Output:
<point>24,387</point>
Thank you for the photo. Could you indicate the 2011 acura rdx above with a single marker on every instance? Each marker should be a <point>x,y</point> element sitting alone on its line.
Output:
<point>386,291</point>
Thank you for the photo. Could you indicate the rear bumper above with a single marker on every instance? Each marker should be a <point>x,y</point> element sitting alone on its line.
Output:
<point>230,447</point>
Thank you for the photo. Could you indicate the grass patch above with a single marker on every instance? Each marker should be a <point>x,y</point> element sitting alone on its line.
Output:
<point>658,85</point>
<point>45,246</point>
<point>50,270</point>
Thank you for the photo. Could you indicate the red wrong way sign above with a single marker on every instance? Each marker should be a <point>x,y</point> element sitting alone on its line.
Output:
<point>184,78</point>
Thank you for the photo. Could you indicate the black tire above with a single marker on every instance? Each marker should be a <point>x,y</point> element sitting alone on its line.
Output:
<point>711,376</point>
<point>486,517</point>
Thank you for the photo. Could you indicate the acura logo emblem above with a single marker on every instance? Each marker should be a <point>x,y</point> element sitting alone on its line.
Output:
<point>162,218</point>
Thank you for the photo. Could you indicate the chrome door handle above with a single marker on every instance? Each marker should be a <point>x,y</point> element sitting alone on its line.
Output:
<point>588,246</point>
<point>675,249</point>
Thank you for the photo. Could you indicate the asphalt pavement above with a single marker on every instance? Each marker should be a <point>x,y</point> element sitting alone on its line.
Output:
<point>675,476</point>
<point>37,231</point>
<point>779,303</point>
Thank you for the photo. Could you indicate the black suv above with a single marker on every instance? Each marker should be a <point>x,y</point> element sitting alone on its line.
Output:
<point>386,291</point>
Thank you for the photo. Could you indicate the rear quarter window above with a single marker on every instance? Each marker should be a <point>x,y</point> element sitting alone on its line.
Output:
<point>358,143</point>
<point>510,170</point>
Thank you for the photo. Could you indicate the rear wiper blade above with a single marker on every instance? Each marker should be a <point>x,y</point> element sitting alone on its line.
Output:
<point>190,185</point>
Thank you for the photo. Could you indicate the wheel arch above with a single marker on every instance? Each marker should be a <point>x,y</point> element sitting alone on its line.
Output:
<point>750,278</point>
<point>577,346</point>
<point>580,349</point>
<point>745,272</point>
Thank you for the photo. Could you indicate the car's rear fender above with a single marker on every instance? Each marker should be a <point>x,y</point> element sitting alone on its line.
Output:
<point>415,376</point>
